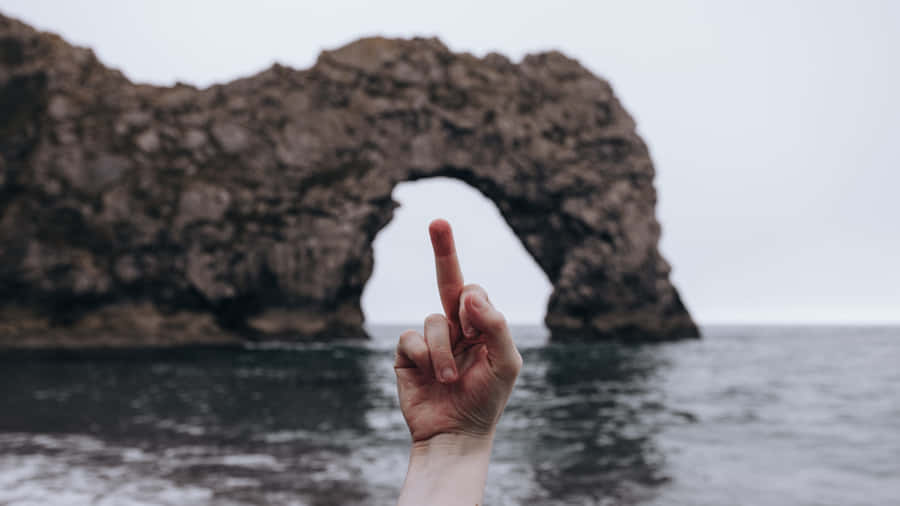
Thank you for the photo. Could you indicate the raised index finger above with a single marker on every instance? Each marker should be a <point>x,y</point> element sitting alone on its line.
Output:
<point>449,275</point>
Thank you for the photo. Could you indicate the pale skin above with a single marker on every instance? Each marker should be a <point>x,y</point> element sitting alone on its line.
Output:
<point>453,382</point>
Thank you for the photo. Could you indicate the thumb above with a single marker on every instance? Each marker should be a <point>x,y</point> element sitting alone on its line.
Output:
<point>502,352</point>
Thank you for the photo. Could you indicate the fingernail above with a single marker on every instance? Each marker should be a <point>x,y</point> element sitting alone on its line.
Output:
<point>447,374</point>
<point>479,302</point>
<point>469,331</point>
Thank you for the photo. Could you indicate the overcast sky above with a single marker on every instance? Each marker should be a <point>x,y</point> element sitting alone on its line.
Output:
<point>774,127</point>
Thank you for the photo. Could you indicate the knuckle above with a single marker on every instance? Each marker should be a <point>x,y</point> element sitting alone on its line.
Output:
<point>470,290</point>
<point>407,336</point>
<point>513,366</point>
<point>472,287</point>
<point>498,322</point>
<point>434,319</point>
<point>419,355</point>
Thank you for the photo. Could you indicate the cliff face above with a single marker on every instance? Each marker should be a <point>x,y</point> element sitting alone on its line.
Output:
<point>142,215</point>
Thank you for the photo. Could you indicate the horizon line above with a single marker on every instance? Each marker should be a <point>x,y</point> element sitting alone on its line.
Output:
<point>762,323</point>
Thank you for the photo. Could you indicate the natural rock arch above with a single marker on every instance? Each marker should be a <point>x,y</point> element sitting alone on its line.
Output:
<point>149,215</point>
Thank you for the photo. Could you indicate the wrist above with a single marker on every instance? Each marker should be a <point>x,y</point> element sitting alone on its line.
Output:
<point>452,445</point>
<point>447,469</point>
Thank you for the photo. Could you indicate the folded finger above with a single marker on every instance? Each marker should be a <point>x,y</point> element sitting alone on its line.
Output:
<point>468,329</point>
<point>502,353</point>
<point>412,352</point>
<point>437,337</point>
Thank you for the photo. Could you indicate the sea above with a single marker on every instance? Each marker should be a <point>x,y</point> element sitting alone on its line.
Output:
<point>748,415</point>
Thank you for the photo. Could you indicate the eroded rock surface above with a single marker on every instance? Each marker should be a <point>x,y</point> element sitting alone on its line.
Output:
<point>141,215</point>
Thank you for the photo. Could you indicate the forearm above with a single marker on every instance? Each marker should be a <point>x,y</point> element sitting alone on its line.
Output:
<point>446,470</point>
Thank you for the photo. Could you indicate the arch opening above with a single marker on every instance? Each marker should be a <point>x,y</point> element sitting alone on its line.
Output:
<point>402,287</point>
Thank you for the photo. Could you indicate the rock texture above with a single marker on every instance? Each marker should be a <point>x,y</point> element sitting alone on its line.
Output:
<point>141,215</point>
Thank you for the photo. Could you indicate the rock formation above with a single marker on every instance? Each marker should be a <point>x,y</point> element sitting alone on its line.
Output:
<point>140,215</point>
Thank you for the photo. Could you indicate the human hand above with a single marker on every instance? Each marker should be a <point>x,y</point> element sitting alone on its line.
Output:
<point>453,383</point>
<point>455,379</point>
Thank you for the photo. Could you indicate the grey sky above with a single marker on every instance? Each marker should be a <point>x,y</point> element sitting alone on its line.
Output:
<point>774,126</point>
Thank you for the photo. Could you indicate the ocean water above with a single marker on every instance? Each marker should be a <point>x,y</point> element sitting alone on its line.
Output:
<point>746,416</point>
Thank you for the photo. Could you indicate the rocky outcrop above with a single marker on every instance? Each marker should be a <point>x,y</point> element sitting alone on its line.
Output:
<point>143,215</point>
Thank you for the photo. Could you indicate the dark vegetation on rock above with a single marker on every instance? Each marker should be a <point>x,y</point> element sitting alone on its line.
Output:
<point>139,215</point>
